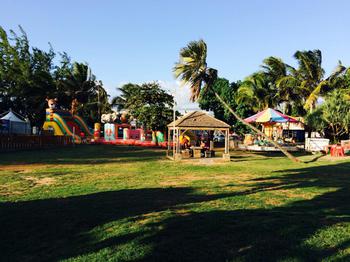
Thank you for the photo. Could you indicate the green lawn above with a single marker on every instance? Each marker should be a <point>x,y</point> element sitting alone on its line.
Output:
<point>110,203</point>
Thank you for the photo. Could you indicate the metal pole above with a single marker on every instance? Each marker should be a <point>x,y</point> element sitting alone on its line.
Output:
<point>174,137</point>
<point>98,105</point>
<point>168,147</point>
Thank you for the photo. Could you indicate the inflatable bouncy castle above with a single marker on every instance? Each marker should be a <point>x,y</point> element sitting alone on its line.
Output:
<point>66,123</point>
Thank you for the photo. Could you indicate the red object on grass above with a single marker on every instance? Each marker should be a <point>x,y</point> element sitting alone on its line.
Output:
<point>337,151</point>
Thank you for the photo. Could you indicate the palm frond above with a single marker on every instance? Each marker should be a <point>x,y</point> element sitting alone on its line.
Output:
<point>312,99</point>
<point>192,68</point>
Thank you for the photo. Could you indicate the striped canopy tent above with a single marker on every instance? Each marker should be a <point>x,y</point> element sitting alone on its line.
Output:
<point>270,116</point>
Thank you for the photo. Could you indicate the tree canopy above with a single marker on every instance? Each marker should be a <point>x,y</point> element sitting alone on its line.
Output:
<point>296,91</point>
<point>28,75</point>
<point>224,88</point>
<point>148,103</point>
<point>332,117</point>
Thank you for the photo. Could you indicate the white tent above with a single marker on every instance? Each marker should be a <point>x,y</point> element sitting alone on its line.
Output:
<point>12,117</point>
<point>12,124</point>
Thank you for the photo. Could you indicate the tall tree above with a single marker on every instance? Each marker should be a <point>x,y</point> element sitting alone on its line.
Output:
<point>78,83</point>
<point>148,103</point>
<point>332,117</point>
<point>25,75</point>
<point>192,69</point>
<point>308,79</point>
<point>97,104</point>
<point>257,91</point>
<point>208,101</point>
<point>28,75</point>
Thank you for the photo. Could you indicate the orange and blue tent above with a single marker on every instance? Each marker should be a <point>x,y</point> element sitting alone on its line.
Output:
<point>270,115</point>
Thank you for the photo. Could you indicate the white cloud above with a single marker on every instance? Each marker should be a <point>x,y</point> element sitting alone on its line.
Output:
<point>181,94</point>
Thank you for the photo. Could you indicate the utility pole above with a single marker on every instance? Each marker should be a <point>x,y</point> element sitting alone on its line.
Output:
<point>174,117</point>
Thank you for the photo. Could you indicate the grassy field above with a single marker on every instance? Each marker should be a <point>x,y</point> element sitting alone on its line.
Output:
<point>110,203</point>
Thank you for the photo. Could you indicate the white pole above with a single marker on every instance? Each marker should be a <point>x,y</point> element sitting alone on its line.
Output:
<point>174,117</point>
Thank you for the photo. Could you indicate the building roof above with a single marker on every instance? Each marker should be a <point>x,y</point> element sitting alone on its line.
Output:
<point>198,119</point>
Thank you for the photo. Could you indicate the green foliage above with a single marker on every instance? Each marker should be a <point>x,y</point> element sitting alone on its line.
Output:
<point>192,68</point>
<point>332,118</point>
<point>257,92</point>
<point>315,120</point>
<point>296,90</point>
<point>208,101</point>
<point>223,88</point>
<point>75,80</point>
<point>28,75</point>
<point>25,76</point>
<point>148,103</point>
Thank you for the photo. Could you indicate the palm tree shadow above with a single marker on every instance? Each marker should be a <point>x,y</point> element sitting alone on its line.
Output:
<point>280,233</point>
<point>55,229</point>
<point>84,154</point>
<point>315,158</point>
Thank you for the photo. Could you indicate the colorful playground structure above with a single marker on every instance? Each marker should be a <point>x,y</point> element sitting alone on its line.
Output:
<point>68,123</point>
<point>125,134</point>
<point>64,123</point>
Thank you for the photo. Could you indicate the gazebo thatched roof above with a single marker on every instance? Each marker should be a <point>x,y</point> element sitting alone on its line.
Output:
<point>198,119</point>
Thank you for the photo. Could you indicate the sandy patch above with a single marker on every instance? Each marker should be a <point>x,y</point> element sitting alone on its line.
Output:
<point>235,179</point>
<point>273,202</point>
<point>21,168</point>
<point>45,181</point>
<point>149,218</point>
<point>333,159</point>
<point>6,191</point>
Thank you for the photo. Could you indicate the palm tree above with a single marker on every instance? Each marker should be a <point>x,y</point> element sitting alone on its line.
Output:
<point>128,93</point>
<point>257,90</point>
<point>274,68</point>
<point>98,102</point>
<point>192,69</point>
<point>272,86</point>
<point>290,95</point>
<point>78,82</point>
<point>324,86</point>
<point>284,86</point>
<point>310,76</point>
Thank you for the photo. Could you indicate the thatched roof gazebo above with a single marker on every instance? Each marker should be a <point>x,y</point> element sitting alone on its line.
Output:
<point>196,120</point>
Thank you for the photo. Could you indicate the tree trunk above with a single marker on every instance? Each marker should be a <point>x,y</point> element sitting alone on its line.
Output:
<point>290,156</point>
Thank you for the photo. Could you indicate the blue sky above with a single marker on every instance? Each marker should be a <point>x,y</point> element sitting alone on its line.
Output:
<point>139,41</point>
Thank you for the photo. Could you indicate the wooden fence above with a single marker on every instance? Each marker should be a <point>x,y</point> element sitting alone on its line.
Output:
<point>24,142</point>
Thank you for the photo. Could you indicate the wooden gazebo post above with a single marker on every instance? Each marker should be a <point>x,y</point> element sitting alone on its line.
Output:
<point>169,145</point>
<point>226,154</point>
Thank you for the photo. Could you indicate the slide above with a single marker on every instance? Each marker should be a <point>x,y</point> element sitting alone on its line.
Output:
<point>63,123</point>
<point>81,123</point>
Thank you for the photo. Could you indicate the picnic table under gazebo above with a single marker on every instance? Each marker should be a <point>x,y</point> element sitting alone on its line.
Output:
<point>194,121</point>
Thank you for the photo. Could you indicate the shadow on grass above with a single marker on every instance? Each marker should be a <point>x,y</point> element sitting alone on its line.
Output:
<point>243,156</point>
<point>279,233</point>
<point>82,154</point>
<point>55,229</point>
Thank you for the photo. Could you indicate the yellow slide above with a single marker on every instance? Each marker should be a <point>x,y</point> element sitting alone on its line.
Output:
<point>60,128</point>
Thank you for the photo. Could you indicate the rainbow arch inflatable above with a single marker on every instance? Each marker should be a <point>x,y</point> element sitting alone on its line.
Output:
<point>64,123</point>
